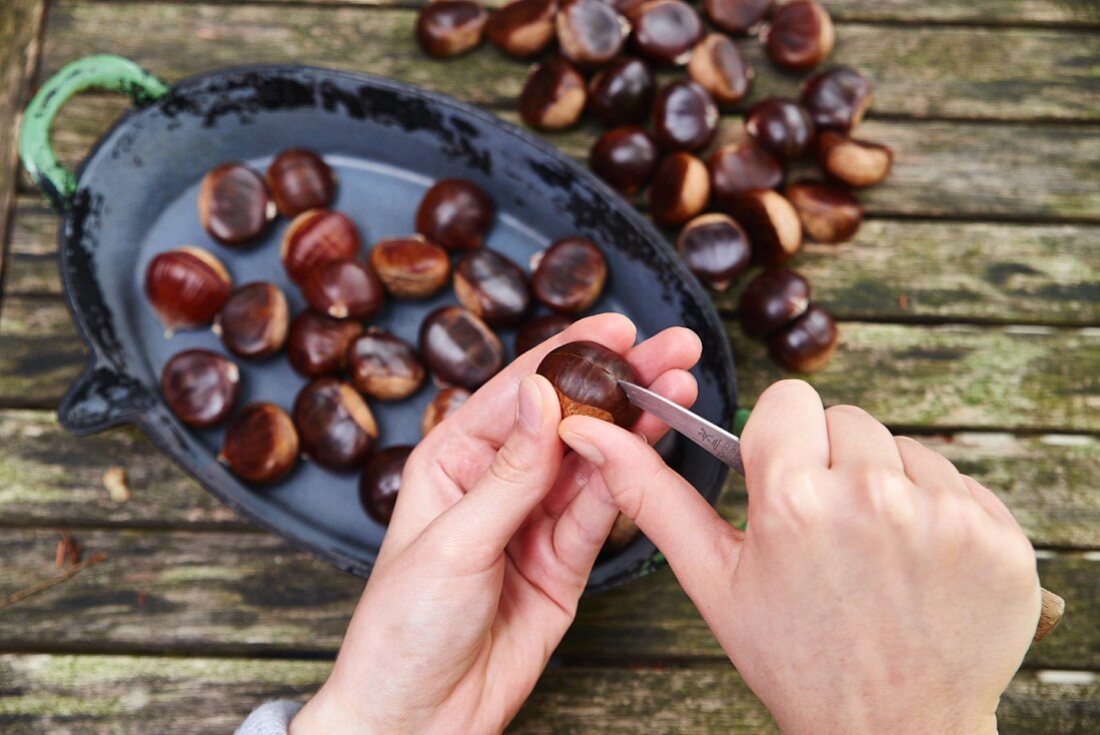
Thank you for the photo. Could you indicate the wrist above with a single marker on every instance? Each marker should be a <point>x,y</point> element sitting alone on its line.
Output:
<point>325,714</point>
<point>873,723</point>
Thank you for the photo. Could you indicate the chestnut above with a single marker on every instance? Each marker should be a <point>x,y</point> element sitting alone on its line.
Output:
<point>522,28</point>
<point>585,376</point>
<point>715,249</point>
<point>680,189</point>
<point>445,403</point>
<point>260,444</point>
<point>624,158</point>
<point>623,531</point>
<point>736,16</point>
<point>253,323</point>
<point>553,96</point>
<point>493,287</point>
<point>799,36</point>
<point>684,116</point>
<point>455,213</point>
<point>782,127</point>
<point>854,162</point>
<point>314,237</point>
<point>621,92</point>
<point>570,275</point>
<point>771,223</point>
<point>234,205</point>
<point>334,424</point>
<point>739,167</point>
<point>381,481</point>
<point>771,300</point>
<point>317,344</point>
<point>343,289</point>
<point>836,99</point>
<point>829,213</point>
<point>534,332</point>
<point>666,30</point>
<point>300,180</point>
<point>807,343</point>
<point>448,28</point>
<point>718,67</point>
<point>459,348</point>
<point>186,287</point>
<point>200,387</point>
<point>590,32</point>
<point>410,267</point>
<point>384,366</point>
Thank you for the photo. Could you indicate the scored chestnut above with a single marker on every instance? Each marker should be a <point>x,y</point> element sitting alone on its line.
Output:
<point>837,98</point>
<point>715,249</point>
<point>585,376</point>
<point>200,387</point>
<point>447,28</point>
<point>316,236</point>
<point>829,213</point>
<point>253,323</point>
<point>522,28</point>
<point>459,348</point>
<point>234,204</point>
<point>680,189</point>
<point>854,162</point>
<point>570,275</point>
<point>336,428</point>
<point>771,300</point>
<point>771,223</point>
<point>717,65</point>
<point>445,403</point>
<point>343,289</point>
<point>534,332</point>
<point>260,445</point>
<point>666,30</point>
<point>782,127</point>
<point>739,167</point>
<point>384,366</point>
<point>380,482</point>
<point>553,96</point>
<point>625,158</point>
<point>455,214</point>
<point>621,92</point>
<point>493,287</point>
<point>684,116</point>
<point>317,344</point>
<point>410,267</point>
<point>799,36</point>
<point>300,180</point>
<point>590,32</point>
<point>736,16</point>
<point>807,343</point>
<point>186,287</point>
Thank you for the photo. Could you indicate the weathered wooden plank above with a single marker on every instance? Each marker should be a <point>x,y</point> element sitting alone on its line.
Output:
<point>919,71</point>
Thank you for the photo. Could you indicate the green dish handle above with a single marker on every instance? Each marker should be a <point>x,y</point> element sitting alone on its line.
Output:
<point>101,71</point>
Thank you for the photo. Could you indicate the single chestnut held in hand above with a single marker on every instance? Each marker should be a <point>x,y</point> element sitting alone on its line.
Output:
<point>260,445</point>
<point>201,387</point>
<point>837,98</point>
<point>799,36</point>
<point>715,249</point>
<point>459,348</point>
<point>772,300</point>
<point>782,127</point>
<point>186,287</point>
<point>334,424</point>
<point>736,16</point>
<point>254,321</point>
<point>807,343</point>
<point>829,213</point>
<point>442,405</point>
<point>410,267</point>
<point>456,214</point>
<point>384,366</point>
<point>381,482</point>
<point>684,116</point>
<point>625,158</point>
<point>570,275</point>
<point>300,180</point>
<point>317,344</point>
<point>522,28</point>
<point>493,287</point>
<point>585,376</point>
<point>666,30</point>
<point>717,65</point>
<point>234,204</point>
<point>553,96</point>
<point>590,32</point>
<point>447,28</point>
<point>739,167</point>
<point>314,237</point>
<point>534,332</point>
<point>343,289</point>
<point>621,92</point>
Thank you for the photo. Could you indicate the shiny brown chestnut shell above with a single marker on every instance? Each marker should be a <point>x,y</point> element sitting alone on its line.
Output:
<point>445,403</point>
<point>718,67</point>
<point>585,376</point>
<point>553,96</point>
<point>625,158</point>
<point>799,36</point>
<point>343,289</point>
<point>260,444</point>
<point>336,428</point>
<point>493,287</point>
<point>680,189</point>
<point>771,223</point>
<point>459,348</point>
<point>201,387</point>
<point>715,249</point>
<point>853,162</point>
<point>570,275</point>
<point>590,32</point>
<point>807,343</point>
<point>455,214</point>
<point>314,237</point>
<point>522,28</point>
<point>254,321</point>
<point>300,180</point>
<point>783,128</point>
<point>837,98</point>
<point>186,287</point>
<point>684,116</point>
<point>381,482</point>
<point>234,204</point>
<point>666,30</point>
<point>621,92</point>
<point>447,28</point>
<point>739,167</point>
<point>317,344</point>
<point>771,300</point>
<point>736,16</point>
<point>410,267</point>
<point>534,332</point>
<point>384,366</point>
<point>829,213</point>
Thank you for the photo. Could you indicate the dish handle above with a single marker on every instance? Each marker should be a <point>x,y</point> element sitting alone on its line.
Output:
<point>101,398</point>
<point>100,71</point>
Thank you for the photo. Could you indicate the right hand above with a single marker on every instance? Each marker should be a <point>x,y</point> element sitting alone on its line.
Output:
<point>875,590</point>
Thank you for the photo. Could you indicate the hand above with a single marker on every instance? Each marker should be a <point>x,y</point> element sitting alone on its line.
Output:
<point>495,531</point>
<point>875,590</point>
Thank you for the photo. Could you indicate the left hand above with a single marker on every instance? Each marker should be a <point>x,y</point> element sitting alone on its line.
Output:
<point>494,534</point>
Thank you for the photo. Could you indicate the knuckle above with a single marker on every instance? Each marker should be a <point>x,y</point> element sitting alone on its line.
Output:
<point>510,466</point>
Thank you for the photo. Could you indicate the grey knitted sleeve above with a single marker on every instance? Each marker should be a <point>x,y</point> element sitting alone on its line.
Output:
<point>272,718</point>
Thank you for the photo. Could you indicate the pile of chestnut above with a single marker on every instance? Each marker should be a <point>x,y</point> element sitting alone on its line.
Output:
<point>731,198</point>
<point>346,362</point>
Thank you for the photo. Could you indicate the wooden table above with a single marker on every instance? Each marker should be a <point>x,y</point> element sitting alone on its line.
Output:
<point>970,308</point>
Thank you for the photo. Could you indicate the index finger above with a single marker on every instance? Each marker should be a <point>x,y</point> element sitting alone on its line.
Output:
<point>786,430</point>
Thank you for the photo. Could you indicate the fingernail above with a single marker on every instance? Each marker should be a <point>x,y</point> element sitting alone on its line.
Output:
<point>529,407</point>
<point>582,447</point>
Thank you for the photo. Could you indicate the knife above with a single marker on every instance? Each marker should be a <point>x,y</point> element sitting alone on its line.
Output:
<point>726,447</point>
